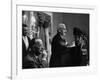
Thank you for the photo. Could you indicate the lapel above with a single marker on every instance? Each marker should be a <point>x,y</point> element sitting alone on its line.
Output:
<point>26,44</point>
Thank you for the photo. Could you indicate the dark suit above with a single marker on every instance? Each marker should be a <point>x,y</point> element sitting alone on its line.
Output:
<point>58,50</point>
<point>31,61</point>
<point>24,51</point>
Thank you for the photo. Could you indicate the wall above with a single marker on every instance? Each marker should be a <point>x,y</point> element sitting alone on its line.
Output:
<point>80,21</point>
<point>57,18</point>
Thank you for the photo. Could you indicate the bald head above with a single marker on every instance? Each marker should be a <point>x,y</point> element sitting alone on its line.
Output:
<point>38,42</point>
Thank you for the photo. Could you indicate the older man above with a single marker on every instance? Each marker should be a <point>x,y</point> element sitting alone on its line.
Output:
<point>59,47</point>
<point>37,57</point>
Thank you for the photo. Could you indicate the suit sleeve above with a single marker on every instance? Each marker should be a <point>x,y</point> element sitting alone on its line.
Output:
<point>63,49</point>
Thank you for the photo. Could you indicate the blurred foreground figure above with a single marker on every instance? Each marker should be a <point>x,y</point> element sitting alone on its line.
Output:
<point>81,54</point>
<point>37,57</point>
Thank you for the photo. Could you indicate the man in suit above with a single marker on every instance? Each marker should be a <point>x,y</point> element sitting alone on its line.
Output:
<point>59,47</point>
<point>37,57</point>
<point>25,42</point>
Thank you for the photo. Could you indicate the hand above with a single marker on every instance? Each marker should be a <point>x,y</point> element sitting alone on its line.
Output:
<point>66,43</point>
<point>72,45</point>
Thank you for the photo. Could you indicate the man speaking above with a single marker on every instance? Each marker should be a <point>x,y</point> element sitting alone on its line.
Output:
<point>59,46</point>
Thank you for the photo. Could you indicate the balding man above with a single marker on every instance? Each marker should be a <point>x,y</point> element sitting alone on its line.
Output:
<point>59,47</point>
<point>37,57</point>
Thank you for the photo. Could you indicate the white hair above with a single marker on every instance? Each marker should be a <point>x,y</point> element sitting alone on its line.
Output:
<point>38,42</point>
<point>61,26</point>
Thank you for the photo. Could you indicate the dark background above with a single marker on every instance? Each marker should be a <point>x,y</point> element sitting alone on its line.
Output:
<point>71,20</point>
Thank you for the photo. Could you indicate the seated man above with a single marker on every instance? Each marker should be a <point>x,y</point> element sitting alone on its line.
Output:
<point>37,57</point>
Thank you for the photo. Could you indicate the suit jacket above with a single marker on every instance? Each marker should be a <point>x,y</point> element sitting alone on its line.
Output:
<point>31,61</point>
<point>58,50</point>
<point>24,50</point>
